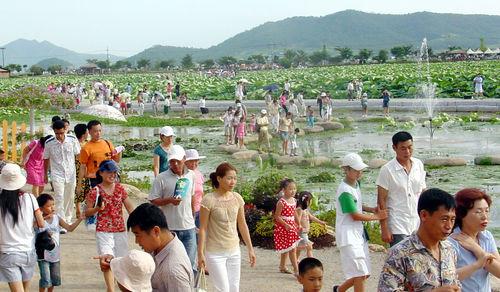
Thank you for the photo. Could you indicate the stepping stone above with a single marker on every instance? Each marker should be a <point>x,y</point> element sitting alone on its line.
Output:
<point>445,161</point>
<point>244,154</point>
<point>297,160</point>
<point>376,163</point>
<point>315,129</point>
<point>318,160</point>
<point>493,159</point>
<point>230,148</point>
<point>331,125</point>
<point>134,191</point>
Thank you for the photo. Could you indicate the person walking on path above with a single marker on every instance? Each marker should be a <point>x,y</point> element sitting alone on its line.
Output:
<point>59,155</point>
<point>93,153</point>
<point>478,85</point>
<point>475,246</point>
<point>386,97</point>
<point>173,192</point>
<point>192,162</point>
<point>286,224</point>
<point>399,184</point>
<point>18,211</point>
<point>108,199</point>
<point>425,261</point>
<point>263,130</point>
<point>81,134</point>
<point>160,153</point>
<point>33,163</point>
<point>222,215</point>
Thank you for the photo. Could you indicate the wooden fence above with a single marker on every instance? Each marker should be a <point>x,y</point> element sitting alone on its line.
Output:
<point>9,134</point>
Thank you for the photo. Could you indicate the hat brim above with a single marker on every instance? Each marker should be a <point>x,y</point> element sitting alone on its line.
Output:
<point>119,271</point>
<point>175,157</point>
<point>195,158</point>
<point>358,166</point>
<point>17,184</point>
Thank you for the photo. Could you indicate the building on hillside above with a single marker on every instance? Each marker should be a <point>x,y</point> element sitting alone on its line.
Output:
<point>89,69</point>
<point>4,73</point>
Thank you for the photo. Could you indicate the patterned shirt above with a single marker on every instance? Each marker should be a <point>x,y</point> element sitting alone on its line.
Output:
<point>411,267</point>
<point>111,218</point>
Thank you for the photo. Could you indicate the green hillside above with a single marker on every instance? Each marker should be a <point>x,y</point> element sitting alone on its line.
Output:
<point>54,61</point>
<point>350,28</point>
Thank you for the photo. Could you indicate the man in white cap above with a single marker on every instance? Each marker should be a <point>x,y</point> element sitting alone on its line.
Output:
<point>173,192</point>
<point>262,126</point>
<point>192,161</point>
<point>160,153</point>
<point>133,272</point>
<point>351,239</point>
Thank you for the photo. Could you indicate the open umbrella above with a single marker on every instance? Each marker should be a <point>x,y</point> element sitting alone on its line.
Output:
<point>271,87</point>
<point>104,111</point>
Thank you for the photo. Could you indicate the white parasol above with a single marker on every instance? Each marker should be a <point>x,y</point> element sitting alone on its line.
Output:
<point>104,111</point>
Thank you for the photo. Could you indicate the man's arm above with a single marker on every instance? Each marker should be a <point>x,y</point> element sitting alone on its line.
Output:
<point>46,165</point>
<point>382,195</point>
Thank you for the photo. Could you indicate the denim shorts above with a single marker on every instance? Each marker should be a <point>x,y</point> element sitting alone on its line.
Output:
<point>284,135</point>
<point>17,266</point>
<point>50,274</point>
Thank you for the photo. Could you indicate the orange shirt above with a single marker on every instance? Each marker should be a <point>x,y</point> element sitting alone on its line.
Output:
<point>93,153</point>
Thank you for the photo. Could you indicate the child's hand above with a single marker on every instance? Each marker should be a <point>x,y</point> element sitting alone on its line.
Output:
<point>323,223</point>
<point>381,214</point>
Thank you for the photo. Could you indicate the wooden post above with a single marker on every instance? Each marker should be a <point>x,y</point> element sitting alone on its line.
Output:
<point>23,140</point>
<point>14,142</point>
<point>5,137</point>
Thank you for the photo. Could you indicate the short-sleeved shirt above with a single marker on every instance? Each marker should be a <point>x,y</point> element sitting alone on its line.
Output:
<point>163,157</point>
<point>199,180</point>
<point>284,125</point>
<point>173,270</point>
<point>62,158</point>
<point>479,281</point>
<point>403,192</point>
<point>54,228</point>
<point>348,201</point>
<point>179,217</point>
<point>19,237</point>
<point>111,218</point>
<point>222,234</point>
<point>411,267</point>
<point>95,152</point>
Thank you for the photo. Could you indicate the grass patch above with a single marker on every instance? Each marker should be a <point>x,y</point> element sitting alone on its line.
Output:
<point>150,121</point>
<point>142,184</point>
<point>321,177</point>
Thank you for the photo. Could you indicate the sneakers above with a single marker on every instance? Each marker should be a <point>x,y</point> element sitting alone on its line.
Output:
<point>335,288</point>
<point>63,231</point>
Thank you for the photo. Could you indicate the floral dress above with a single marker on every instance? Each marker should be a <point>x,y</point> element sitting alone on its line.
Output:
<point>286,240</point>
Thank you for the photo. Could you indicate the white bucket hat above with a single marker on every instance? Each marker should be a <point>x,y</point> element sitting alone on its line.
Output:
<point>11,178</point>
<point>263,111</point>
<point>167,131</point>
<point>134,270</point>
<point>354,161</point>
<point>192,154</point>
<point>176,152</point>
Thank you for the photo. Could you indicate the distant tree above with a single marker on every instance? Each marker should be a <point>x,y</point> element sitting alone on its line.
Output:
<point>14,67</point>
<point>36,70</point>
<point>228,60</point>
<point>382,56</point>
<point>400,52</point>
<point>25,67</point>
<point>165,64</point>
<point>91,61</point>
<point>54,69</point>
<point>345,53</point>
<point>259,59</point>
<point>452,48</point>
<point>103,64</point>
<point>208,63</point>
<point>187,62</point>
<point>320,57</point>
<point>364,55</point>
<point>482,45</point>
<point>288,58</point>
<point>143,63</point>
<point>301,57</point>
<point>276,59</point>
<point>121,64</point>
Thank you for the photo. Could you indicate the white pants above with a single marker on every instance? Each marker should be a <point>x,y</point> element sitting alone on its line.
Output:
<point>64,194</point>
<point>224,268</point>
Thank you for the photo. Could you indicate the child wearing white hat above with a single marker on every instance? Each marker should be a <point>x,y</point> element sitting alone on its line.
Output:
<point>351,238</point>
<point>133,272</point>
<point>192,161</point>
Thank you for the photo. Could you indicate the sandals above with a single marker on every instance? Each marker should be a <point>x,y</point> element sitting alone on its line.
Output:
<point>285,271</point>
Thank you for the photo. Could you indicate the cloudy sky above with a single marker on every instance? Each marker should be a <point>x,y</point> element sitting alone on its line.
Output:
<point>128,27</point>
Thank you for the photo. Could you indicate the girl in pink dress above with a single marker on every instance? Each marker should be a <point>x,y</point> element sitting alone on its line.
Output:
<point>286,224</point>
<point>34,165</point>
<point>240,132</point>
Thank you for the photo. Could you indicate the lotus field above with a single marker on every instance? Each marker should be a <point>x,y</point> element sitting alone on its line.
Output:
<point>453,79</point>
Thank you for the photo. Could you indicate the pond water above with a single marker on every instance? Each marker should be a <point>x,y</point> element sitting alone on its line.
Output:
<point>366,138</point>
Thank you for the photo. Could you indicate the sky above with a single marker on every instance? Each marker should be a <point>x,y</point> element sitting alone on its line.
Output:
<point>128,27</point>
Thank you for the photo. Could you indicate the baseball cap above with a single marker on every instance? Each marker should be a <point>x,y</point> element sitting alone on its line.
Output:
<point>167,131</point>
<point>354,161</point>
<point>192,154</point>
<point>176,152</point>
<point>108,166</point>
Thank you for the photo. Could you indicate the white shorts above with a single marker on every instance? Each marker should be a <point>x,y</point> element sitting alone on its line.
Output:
<point>112,243</point>
<point>355,260</point>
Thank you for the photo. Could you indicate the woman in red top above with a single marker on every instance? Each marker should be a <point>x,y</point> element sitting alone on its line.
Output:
<point>111,235</point>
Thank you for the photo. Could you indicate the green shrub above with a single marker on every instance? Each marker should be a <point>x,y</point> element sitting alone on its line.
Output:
<point>373,230</point>
<point>317,230</point>
<point>486,161</point>
<point>328,216</point>
<point>265,226</point>
<point>321,177</point>
<point>265,188</point>
<point>245,190</point>
<point>252,217</point>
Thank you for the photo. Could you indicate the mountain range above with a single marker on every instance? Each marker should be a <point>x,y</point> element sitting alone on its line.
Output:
<point>350,28</point>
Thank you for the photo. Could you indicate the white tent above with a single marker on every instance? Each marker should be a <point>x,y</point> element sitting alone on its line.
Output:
<point>478,52</point>
<point>496,51</point>
<point>489,52</point>
<point>470,52</point>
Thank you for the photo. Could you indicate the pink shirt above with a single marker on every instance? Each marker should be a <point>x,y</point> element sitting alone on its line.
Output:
<point>199,180</point>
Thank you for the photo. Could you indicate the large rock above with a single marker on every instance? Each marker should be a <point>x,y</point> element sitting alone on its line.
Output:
<point>230,148</point>
<point>315,129</point>
<point>445,161</point>
<point>301,132</point>
<point>336,162</point>
<point>251,138</point>
<point>244,155</point>
<point>133,191</point>
<point>282,160</point>
<point>331,125</point>
<point>376,163</point>
<point>493,159</point>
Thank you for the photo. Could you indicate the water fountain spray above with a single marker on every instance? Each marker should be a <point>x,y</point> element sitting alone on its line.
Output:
<point>426,89</point>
